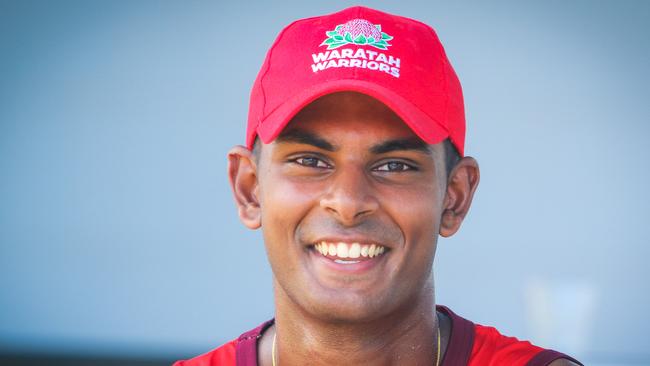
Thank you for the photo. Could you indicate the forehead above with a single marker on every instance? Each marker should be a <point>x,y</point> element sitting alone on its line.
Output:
<point>348,117</point>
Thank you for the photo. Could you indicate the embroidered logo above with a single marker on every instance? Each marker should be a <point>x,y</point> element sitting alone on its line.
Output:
<point>357,32</point>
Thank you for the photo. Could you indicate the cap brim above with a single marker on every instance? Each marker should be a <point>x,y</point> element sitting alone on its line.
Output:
<point>425,127</point>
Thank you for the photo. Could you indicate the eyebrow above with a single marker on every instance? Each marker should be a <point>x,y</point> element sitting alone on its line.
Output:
<point>412,143</point>
<point>308,138</point>
<point>304,137</point>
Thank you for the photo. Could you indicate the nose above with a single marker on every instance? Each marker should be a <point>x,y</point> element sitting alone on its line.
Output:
<point>350,197</point>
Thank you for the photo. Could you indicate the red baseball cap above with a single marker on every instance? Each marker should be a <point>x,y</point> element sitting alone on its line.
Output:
<point>397,60</point>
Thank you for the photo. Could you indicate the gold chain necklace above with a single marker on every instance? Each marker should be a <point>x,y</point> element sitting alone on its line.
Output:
<point>437,349</point>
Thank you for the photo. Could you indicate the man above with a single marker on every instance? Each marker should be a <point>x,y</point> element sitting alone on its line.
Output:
<point>354,165</point>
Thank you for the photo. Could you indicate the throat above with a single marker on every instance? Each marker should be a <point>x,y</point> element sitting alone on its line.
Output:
<point>412,343</point>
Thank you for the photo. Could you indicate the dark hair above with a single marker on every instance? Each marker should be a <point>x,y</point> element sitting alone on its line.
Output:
<point>452,157</point>
<point>451,154</point>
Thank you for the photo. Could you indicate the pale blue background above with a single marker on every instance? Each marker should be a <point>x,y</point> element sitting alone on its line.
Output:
<point>118,234</point>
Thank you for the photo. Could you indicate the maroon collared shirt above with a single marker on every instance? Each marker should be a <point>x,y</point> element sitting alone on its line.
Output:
<point>469,344</point>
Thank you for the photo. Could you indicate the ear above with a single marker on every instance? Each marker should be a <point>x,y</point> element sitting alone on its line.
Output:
<point>461,185</point>
<point>242,172</point>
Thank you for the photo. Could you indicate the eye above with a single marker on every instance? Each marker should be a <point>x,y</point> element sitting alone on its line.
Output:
<point>311,162</point>
<point>394,166</point>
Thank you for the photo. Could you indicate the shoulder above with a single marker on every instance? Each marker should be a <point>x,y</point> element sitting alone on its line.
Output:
<point>491,347</point>
<point>224,355</point>
<point>242,349</point>
<point>477,345</point>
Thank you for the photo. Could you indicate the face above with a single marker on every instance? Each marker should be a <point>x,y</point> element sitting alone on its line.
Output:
<point>350,202</point>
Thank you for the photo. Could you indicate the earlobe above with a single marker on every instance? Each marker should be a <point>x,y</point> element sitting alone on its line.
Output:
<point>461,185</point>
<point>242,172</point>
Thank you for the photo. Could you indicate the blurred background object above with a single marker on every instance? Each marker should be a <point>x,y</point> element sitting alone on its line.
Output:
<point>561,315</point>
<point>119,243</point>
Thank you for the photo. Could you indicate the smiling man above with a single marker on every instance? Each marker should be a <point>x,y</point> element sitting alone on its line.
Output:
<point>354,166</point>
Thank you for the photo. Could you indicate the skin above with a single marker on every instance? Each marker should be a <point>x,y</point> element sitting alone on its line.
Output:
<point>336,172</point>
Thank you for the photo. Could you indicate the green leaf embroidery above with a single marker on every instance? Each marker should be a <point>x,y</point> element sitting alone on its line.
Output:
<point>361,39</point>
<point>331,33</point>
<point>385,36</point>
<point>371,40</point>
<point>348,37</point>
<point>338,37</point>
<point>329,40</point>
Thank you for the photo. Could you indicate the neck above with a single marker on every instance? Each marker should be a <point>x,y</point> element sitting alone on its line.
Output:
<point>406,335</point>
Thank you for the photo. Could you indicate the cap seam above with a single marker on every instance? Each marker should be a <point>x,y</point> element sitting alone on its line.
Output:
<point>443,59</point>
<point>262,115</point>
<point>268,65</point>
<point>443,124</point>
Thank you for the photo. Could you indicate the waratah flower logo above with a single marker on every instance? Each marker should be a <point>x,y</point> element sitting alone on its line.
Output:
<point>357,31</point>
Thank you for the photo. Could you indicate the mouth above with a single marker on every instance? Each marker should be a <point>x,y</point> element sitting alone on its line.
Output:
<point>349,254</point>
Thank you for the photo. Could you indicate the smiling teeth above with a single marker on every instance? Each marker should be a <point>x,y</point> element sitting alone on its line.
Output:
<point>329,249</point>
<point>355,250</point>
<point>345,250</point>
<point>342,250</point>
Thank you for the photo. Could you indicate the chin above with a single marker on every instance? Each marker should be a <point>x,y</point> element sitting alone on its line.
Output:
<point>348,308</point>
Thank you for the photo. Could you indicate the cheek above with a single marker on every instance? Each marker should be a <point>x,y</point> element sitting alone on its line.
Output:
<point>416,209</point>
<point>421,230</point>
<point>417,214</point>
<point>284,205</point>
<point>285,198</point>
